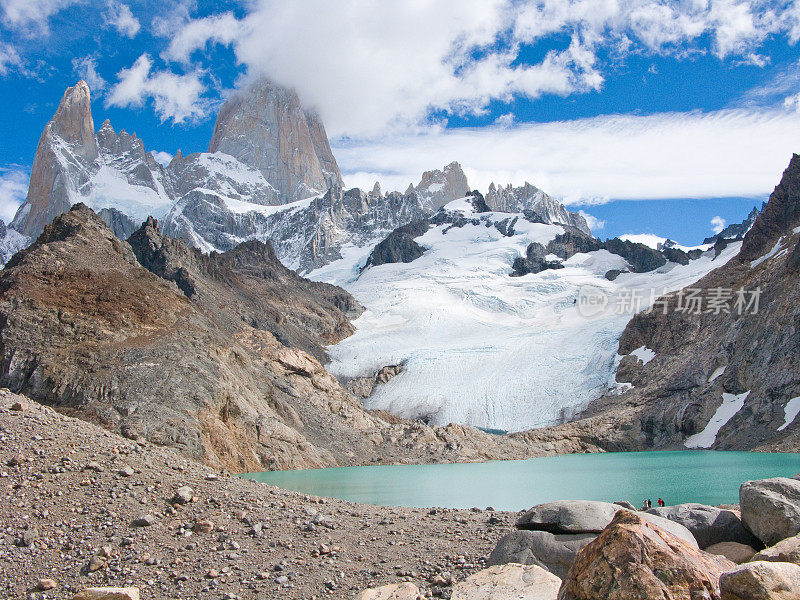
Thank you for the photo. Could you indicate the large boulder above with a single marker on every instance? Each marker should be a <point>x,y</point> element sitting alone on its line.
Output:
<point>771,508</point>
<point>632,558</point>
<point>709,525</point>
<point>554,552</point>
<point>569,516</point>
<point>508,582</point>
<point>393,591</point>
<point>761,580</point>
<point>738,553</point>
<point>787,550</point>
<point>587,516</point>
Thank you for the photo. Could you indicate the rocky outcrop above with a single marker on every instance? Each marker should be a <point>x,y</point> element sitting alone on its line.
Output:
<point>782,209</point>
<point>106,170</point>
<point>709,525</point>
<point>265,127</point>
<point>508,582</point>
<point>771,508</point>
<point>640,258</point>
<point>761,581</point>
<point>534,261</point>
<point>736,231</point>
<point>66,149</point>
<point>399,246</point>
<point>632,558</point>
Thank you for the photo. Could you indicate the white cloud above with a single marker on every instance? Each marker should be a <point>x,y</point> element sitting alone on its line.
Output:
<point>593,222</point>
<point>162,158</point>
<point>792,102</point>
<point>9,58</point>
<point>697,155</point>
<point>175,97</point>
<point>717,224</point>
<point>121,18</point>
<point>353,63</point>
<point>13,189</point>
<point>86,68</point>
<point>31,16</point>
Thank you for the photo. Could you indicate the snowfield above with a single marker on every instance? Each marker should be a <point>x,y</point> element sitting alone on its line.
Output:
<point>481,347</point>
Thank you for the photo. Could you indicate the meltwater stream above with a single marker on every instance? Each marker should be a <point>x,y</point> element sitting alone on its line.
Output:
<point>689,476</point>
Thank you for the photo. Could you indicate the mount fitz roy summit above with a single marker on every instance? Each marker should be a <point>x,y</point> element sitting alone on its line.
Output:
<point>269,174</point>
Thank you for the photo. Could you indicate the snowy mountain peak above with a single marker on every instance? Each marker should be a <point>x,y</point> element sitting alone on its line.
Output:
<point>265,127</point>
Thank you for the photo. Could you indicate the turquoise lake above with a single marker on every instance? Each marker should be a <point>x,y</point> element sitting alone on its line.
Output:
<point>693,476</point>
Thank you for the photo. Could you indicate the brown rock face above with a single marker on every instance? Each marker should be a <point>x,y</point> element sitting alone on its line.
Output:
<point>265,127</point>
<point>635,559</point>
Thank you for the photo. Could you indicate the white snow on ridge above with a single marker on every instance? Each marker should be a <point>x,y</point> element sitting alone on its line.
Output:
<point>731,404</point>
<point>483,348</point>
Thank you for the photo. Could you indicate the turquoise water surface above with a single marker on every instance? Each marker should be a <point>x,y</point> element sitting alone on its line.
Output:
<point>692,476</point>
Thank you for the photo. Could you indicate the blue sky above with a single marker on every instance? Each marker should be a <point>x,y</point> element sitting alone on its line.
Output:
<point>654,117</point>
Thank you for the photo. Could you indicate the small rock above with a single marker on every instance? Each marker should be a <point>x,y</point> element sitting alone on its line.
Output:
<point>145,521</point>
<point>126,471</point>
<point>183,495</point>
<point>395,591</point>
<point>28,537</point>
<point>203,526</point>
<point>508,582</point>
<point>107,593</point>
<point>46,584</point>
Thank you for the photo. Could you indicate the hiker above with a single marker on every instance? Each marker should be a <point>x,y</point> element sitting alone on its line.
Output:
<point>660,502</point>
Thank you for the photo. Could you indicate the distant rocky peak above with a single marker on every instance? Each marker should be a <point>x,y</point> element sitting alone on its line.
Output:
<point>438,187</point>
<point>530,199</point>
<point>73,121</point>
<point>265,127</point>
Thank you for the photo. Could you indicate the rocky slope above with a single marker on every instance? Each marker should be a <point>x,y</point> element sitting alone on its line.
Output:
<point>74,492</point>
<point>719,375</point>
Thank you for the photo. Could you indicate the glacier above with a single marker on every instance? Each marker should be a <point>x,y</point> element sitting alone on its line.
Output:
<point>480,347</point>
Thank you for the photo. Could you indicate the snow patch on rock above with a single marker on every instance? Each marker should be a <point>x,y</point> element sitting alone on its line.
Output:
<point>731,404</point>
